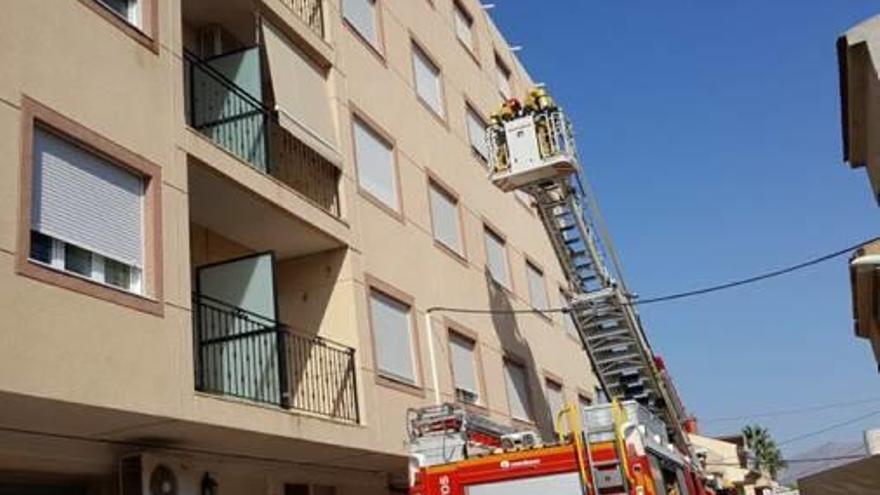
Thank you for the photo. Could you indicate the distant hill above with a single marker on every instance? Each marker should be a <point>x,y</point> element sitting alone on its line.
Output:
<point>798,470</point>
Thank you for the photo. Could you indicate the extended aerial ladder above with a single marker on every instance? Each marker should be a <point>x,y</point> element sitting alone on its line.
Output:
<point>532,149</point>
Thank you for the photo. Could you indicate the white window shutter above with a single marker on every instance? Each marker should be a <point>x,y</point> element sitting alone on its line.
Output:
<point>392,326</point>
<point>463,364</point>
<point>517,390</point>
<point>428,83</point>
<point>375,165</point>
<point>362,15</point>
<point>477,134</point>
<point>82,199</point>
<point>444,214</point>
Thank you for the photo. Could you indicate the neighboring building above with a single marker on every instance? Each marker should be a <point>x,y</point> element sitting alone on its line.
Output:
<point>223,225</point>
<point>856,478</point>
<point>726,462</point>
<point>858,54</point>
<point>859,477</point>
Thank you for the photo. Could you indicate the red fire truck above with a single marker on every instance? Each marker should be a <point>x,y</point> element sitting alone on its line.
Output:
<point>615,449</point>
<point>639,446</point>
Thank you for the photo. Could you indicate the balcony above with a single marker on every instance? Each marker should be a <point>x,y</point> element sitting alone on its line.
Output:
<point>242,354</point>
<point>311,12</point>
<point>236,119</point>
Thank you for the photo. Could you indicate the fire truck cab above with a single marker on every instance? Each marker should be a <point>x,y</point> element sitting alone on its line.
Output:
<point>615,449</point>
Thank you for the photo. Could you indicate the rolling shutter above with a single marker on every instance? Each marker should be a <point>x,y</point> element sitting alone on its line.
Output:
<point>82,199</point>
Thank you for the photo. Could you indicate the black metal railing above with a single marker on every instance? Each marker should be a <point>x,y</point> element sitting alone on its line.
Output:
<point>242,354</point>
<point>310,11</point>
<point>244,126</point>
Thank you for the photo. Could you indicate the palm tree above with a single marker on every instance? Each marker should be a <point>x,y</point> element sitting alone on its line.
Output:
<point>764,452</point>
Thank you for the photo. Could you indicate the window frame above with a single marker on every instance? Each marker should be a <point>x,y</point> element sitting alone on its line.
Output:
<point>435,183</point>
<point>532,265</point>
<point>415,387</point>
<point>511,360</point>
<point>454,330</point>
<point>469,109</point>
<point>502,68</point>
<point>150,300</point>
<point>567,319</point>
<point>554,381</point>
<point>145,32</point>
<point>416,48</point>
<point>358,116</point>
<point>377,48</point>
<point>489,230</point>
<point>458,8</point>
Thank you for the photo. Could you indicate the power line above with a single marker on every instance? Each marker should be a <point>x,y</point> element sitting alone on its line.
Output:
<point>755,278</point>
<point>676,295</point>
<point>788,412</point>
<point>828,428</point>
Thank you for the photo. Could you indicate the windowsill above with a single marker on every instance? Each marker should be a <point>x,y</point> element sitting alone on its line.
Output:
<point>372,48</point>
<point>396,214</point>
<point>399,385</point>
<point>78,283</point>
<point>500,285</point>
<point>478,407</point>
<point>484,161</point>
<point>439,118</point>
<point>454,254</point>
<point>470,51</point>
<point>139,34</point>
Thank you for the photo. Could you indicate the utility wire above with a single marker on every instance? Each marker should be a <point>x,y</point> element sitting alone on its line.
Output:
<point>756,278</point>
<point>674,296</point>
<point>828,428</point>
<point>788,412</point>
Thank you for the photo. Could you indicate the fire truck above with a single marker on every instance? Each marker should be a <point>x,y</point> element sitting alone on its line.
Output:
<point>638,443</point>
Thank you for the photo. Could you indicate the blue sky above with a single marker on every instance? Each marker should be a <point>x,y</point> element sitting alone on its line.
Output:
<point>711,134</point>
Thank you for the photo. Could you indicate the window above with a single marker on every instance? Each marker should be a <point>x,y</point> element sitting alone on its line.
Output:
<point>392,329</point>
<point>555,398</point>
<point>462,353</point>
<point>87,214</point>
<point>503,75</point>
<point>476,130</point>
<point>464,25</point>
<point>445,218</point>
<point>567,318</point>
<point>600,397</point>
<point>584,402</point>
<point>429,86</point>
<point>496,258</point>
<point>517,391</point>
<point>537,289</point>
<point>361,15</point>
<point>374,158</point>
<point>129,10</point>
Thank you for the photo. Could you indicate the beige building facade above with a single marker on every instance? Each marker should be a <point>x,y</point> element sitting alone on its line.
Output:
<point>858,52</point>
<point>225,227</point>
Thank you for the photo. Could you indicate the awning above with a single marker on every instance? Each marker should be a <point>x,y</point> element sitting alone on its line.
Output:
<point>302,96</point>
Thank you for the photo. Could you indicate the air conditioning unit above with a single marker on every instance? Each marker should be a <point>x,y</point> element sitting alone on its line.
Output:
<point>145,474</point>
<point>215,40</point>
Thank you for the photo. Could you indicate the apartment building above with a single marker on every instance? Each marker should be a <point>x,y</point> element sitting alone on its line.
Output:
<point>224,226</point>
<point>858,52</point>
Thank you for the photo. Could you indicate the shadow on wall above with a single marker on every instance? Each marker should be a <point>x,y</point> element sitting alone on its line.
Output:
<point>305,287</point>
<point>514,345</point>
